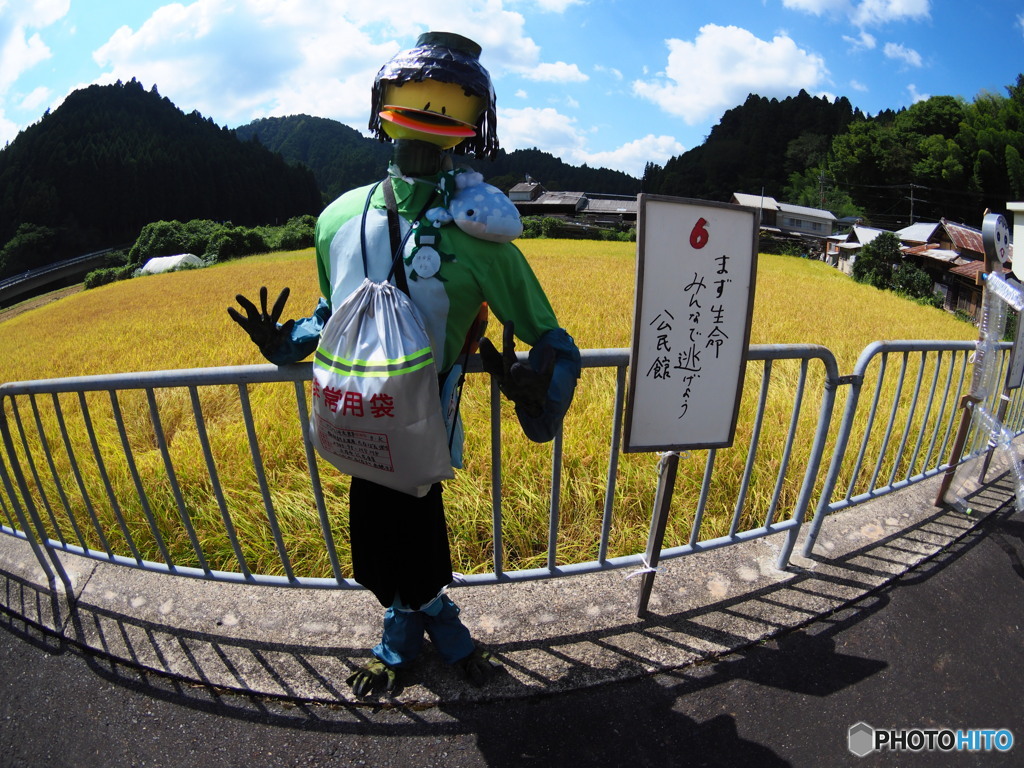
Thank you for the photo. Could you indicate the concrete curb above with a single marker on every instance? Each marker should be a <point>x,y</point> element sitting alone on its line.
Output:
<point>553,636</point>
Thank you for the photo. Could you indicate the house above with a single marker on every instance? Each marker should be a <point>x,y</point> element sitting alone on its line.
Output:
<point>526,191</point>
<point>552,204</point>
<point>766,205</point>
<point>847,250</point>
<point>812,222</point>
<point>579,210</point>
<point>954,255</point>
<point>811,225</point>
<point>610,210</point>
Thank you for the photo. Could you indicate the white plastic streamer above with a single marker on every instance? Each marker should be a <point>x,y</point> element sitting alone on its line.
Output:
<point>985,379</point>
<point>1002,440</point>
<point>1008,293</point>
<point>986,360</point>
<point>646,569</point>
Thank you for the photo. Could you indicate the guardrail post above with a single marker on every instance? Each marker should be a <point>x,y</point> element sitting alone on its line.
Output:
<point>855,382</point>
<point>35,533</point>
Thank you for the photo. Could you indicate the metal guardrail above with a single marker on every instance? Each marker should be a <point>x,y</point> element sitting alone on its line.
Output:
<point>905,437</point>
<point>125,468</point>
<point>17,285</point>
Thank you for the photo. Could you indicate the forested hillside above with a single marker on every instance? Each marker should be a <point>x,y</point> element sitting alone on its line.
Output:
<point>941,157</point>
<point>112,159</point>
<point>756,145</point>
<point>341,158</point>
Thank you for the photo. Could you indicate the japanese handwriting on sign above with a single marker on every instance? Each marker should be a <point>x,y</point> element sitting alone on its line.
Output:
<point>664,327</point>
<point>660,368</point>
<point>695,269</point>
<point>699,331</point>
<point>696,286</point>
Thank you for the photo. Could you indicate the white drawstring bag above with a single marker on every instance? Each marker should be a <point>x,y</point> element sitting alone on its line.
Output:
<point>376,409</point>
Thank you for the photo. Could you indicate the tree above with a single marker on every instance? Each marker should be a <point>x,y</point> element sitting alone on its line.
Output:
<point>876,260</point>
<point>23,251</point>
<point>912,281</point>
<point>815,188</point>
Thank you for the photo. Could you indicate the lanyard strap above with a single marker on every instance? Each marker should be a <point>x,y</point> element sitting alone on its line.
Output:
<point>397,241</point>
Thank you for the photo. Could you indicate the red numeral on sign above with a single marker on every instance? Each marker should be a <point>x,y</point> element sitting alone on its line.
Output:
<point>699,236</point>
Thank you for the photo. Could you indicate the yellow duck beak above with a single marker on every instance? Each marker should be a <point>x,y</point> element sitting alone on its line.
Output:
<point>432,111</point>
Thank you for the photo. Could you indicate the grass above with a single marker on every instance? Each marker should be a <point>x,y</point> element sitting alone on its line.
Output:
<point>179,321</point>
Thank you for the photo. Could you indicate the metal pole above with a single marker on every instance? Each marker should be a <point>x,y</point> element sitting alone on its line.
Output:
<point>667,469</point>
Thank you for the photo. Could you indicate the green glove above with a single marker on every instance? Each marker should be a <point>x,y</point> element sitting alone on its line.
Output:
<point>479,667</point>
<point>374,675</point>
<point>519,382</point>
<point>262,326</point>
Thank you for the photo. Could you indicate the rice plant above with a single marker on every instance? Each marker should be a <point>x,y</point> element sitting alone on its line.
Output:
<point>186,493</point>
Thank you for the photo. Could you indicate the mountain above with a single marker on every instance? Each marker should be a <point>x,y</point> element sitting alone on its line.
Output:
<point>341,158</point>
<point>114,158</point>
<point>755,145</point>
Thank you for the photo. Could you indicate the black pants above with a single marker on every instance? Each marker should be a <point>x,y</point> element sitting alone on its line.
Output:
<point>399,543</point>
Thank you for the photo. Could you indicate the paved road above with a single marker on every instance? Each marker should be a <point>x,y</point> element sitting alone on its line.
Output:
<point>941,647</point>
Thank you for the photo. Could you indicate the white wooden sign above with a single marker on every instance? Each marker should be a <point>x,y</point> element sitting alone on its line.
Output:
<point>696,267</point>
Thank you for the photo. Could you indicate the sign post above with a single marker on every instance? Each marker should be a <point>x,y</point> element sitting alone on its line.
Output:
<point>696,267</point>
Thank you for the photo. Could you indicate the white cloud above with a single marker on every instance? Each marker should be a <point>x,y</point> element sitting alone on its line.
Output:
<point>556,6</point>
<point>545,127</point>
<point>858,86</point>
<point>874,12</point>
<point>21,50</point>
<point>22,47</point>
<point>915,96</point>
<point>908,56</point>
<point>633,157</point>
<point>865,13</point>
<point>609,70</point>
<point>560,135</point>
<point>1020,22</point>
<point>865,41</point>
<point>559,72</point>
<point>725,64</point>
<point>817,7</point>
<point>235,60</point>
<point>33,101</point>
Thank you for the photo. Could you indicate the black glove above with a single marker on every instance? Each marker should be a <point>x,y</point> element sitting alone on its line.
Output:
<point>480,666</point>
<point>374,676</point>
<point>263,328</point>
<point>519,382</point>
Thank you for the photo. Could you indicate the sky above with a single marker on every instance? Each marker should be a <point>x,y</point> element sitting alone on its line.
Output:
<point>609,83</point>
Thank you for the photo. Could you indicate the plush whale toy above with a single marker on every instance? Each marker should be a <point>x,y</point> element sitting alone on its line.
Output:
<point>480,210</point>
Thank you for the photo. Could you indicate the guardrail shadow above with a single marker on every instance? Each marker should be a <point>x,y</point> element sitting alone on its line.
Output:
<point>238,676</point>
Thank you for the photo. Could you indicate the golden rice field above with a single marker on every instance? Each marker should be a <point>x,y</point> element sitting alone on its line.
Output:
<point>179,321</point>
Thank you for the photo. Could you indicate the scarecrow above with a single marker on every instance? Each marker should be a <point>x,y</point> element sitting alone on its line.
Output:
<point>434,101</point>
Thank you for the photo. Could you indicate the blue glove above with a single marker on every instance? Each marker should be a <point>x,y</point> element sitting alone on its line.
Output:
<point>521,383</point>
